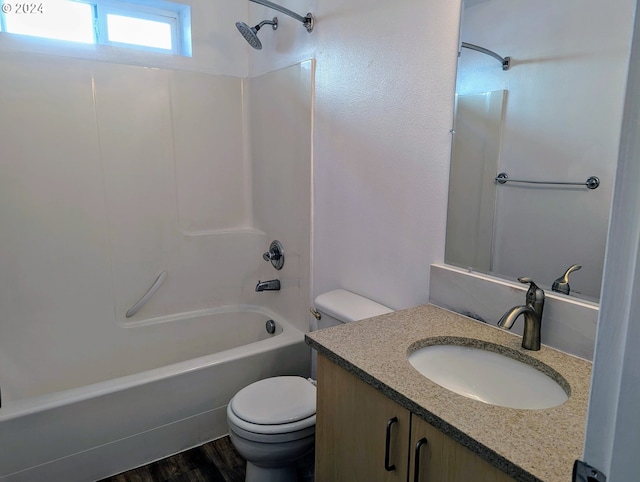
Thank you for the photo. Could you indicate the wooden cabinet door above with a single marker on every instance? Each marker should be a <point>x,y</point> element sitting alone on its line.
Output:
<point>442,459</point>
<point>351,430</point>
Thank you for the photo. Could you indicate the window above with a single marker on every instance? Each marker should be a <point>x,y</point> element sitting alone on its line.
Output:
<point>154,25</point>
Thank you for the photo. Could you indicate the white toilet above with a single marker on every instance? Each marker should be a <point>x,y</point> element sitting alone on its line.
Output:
<point>272,421</point>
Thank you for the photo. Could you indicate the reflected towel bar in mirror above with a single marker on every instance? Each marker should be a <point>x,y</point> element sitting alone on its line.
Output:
<point>592,183</point>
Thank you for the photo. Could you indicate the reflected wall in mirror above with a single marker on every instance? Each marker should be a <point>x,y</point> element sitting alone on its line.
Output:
<point>555,115</point>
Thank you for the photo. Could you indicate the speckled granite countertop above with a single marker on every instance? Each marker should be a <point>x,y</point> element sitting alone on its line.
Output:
<point>529,445</point>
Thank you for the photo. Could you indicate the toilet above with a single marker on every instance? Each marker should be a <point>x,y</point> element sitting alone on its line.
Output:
<point>272,421</point>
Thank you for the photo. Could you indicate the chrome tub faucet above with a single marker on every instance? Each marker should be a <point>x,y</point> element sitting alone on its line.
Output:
<point>271,285</point>
<point>532,312</point>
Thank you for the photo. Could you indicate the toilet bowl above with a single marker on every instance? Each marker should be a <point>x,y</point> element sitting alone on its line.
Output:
<point>272,421</point>
<point>272,426</point>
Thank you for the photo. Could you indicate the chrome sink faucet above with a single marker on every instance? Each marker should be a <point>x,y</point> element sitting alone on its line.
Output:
<point>532,312</point>
<point>271,285</point>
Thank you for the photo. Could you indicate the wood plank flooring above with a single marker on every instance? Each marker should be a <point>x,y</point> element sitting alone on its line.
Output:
<point>215,461</point>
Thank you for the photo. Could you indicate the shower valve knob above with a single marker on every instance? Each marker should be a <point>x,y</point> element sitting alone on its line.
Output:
<point>271,255</point>
<point>275,255</point>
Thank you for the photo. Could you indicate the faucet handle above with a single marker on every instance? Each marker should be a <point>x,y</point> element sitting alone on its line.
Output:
<point>525,280</point>
<point>561,285</point>
<point>534,294</point>
<point>275,254</point>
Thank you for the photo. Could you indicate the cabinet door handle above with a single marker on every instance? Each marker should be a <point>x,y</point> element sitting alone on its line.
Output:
<point>416,467</point>
<point>387,445</point>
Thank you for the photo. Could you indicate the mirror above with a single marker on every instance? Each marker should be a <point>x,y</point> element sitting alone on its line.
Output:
<point>554,115</point>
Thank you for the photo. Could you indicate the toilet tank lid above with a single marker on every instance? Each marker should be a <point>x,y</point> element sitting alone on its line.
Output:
<point>346,306</point>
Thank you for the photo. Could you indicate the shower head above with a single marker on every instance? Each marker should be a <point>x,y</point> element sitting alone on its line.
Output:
<point>251,33</point>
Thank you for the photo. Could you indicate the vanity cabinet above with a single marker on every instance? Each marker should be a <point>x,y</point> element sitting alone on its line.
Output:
<point>352,422</point>
<point>364,436</point>
<point>444,459</point>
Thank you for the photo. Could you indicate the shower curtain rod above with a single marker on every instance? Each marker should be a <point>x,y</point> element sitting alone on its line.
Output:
<point>505,61</point>
<point>306,21</point>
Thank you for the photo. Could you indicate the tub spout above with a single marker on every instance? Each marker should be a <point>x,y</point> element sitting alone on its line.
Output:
<point>271,285</point>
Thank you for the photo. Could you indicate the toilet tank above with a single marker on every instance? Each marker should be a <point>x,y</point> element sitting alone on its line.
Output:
<point>342,306</point>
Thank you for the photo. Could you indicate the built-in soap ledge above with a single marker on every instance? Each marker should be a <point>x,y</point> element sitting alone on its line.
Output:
<point>568,323</point>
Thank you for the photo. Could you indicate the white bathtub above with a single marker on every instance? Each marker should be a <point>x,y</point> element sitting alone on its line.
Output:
<point>171,398</point>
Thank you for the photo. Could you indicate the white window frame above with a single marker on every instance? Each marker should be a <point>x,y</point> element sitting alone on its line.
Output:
<point>176,15</point>
<point>137,11</point>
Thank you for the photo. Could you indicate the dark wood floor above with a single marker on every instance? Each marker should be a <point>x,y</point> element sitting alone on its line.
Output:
<point>216,461</point>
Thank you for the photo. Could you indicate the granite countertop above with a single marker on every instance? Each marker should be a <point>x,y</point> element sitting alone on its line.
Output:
<point>529,445</point>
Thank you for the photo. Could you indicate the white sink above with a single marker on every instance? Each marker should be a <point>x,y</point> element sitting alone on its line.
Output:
<point>487,376</point>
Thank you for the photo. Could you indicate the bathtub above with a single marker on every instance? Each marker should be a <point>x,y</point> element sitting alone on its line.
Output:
<point>171,399</point>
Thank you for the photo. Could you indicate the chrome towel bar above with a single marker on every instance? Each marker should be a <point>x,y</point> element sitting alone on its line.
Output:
<point>592,183</point>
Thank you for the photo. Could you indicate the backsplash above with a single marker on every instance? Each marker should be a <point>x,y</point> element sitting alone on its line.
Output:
<point>568,324</point>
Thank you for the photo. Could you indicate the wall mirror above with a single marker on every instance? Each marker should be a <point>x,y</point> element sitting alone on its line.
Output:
<point>554,115</point>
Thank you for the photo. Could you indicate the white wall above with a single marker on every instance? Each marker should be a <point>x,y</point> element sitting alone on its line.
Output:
<point>384,102</point>
<point>562,122</point>
<point>385,76</point>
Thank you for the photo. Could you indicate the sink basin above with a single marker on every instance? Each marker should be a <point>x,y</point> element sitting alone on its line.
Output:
<point>487,376</point>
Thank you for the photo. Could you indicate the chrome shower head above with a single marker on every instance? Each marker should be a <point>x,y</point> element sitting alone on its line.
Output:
<point>251,33</point>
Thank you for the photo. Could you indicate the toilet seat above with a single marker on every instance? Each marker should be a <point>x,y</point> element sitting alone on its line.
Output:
<point>282,428</point>
<point>274,405</point>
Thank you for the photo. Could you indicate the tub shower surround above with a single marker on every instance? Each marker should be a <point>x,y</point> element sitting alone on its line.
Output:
<point>104,428</point>
<point>113,175</point>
